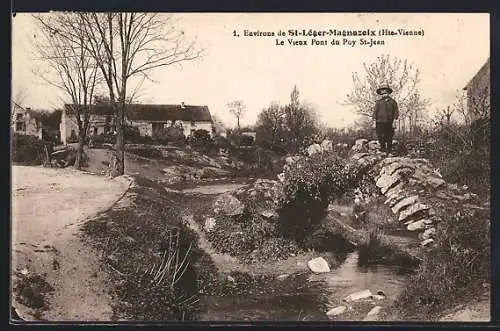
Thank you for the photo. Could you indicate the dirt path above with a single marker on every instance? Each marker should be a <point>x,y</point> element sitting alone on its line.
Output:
<point>48,206</point>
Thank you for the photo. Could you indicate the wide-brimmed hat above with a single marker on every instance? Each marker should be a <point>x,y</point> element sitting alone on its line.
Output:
<point>384,87</point>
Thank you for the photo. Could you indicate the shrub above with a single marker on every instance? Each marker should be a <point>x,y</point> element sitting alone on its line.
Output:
<point>309,185</point>
<point>229,236</point>
<point>221,142</point>
<point>147,152</point>
<point>457,266</point>
<point>250,237</point>
<point>246,140</point>
<point>132,134</point>
<point>171,134</point>
<point>461,152</point>
<point>103,138</point>
<point>201,138</point>
<point>27,149</point>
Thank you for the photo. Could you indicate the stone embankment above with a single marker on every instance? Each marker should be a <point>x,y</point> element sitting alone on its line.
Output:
<point>414,190</point>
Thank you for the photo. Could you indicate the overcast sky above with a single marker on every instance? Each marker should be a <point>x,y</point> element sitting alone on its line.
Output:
<point>257,71</point>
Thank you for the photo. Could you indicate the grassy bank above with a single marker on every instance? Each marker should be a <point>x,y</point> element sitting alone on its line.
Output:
<point>455,271</point>
<point>150,255</point>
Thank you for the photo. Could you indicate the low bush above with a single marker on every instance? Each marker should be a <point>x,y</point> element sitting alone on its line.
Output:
<point>247,140</point>
<point>200,138</point>
<point>309,185</point>
<point>258,162</point>
<point>460,151</point>
<point>132,134</point>
<point>27,150</point>
<point>170,135</point>
<point>456,268</point>
<point>103,138</point>
<point>251,237</point>
<point>147,152</point>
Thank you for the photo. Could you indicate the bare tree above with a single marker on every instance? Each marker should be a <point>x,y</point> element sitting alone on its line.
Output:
<point>237,108</point>
<point>132,45</point>
<point>445,114</point>
<point>300,122</point>
<point>270,123</point>
<point>61,47</point>
<point>402,76</point>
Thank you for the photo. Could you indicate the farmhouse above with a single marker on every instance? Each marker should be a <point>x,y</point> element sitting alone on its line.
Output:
<point>478,92</point>
<point>26,121</point>
<point>150,119</point>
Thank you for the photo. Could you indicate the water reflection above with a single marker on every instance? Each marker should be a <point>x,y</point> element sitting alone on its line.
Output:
<point>351,277</point>
<point>307,298</point>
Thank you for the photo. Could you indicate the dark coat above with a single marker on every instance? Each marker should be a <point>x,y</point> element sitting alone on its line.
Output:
<point>386,110</point>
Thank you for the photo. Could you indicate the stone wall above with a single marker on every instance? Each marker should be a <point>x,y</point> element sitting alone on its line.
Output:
<point>414,190</point>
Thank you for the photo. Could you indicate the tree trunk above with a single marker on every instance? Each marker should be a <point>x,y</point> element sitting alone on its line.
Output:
<point>79,151</point>
<point>120,141</point>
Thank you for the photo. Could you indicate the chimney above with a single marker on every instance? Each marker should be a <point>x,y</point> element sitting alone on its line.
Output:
<point>182,105</point>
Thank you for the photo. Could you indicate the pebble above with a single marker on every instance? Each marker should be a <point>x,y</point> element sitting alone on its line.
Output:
<point>358,295</point>
<point>372,314</point>
<point>336,311</point>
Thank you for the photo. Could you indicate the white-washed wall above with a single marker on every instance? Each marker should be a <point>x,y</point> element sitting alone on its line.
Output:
<point>145,128</point>
<point>31,126</point>
<point>188,126</point>
<point>70,124</point>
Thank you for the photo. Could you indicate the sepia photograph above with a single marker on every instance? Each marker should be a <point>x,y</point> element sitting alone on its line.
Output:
<point>248,167</point>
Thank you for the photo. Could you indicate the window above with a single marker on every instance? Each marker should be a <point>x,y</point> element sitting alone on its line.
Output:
<point>95,130</point>
<point>19,117</point>
<point>20,126</point>
<point>193,123</point>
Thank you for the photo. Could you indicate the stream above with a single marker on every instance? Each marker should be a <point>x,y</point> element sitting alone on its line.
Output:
<point>305,296</point>
<point>309,298</point>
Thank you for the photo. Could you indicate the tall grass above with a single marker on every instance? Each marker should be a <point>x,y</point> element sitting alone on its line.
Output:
<point>150,256</point>
<point>454,271</point>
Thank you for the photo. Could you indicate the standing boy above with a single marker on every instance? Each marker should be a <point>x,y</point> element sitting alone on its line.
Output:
<point>384,115</point>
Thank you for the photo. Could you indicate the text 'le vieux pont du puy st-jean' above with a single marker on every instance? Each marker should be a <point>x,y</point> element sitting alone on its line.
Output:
<point>311,37</point>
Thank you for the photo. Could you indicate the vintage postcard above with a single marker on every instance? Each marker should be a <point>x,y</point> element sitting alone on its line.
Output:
<point>250,167</point>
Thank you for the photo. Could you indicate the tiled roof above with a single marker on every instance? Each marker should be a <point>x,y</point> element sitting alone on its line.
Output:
<point>156,113</point>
